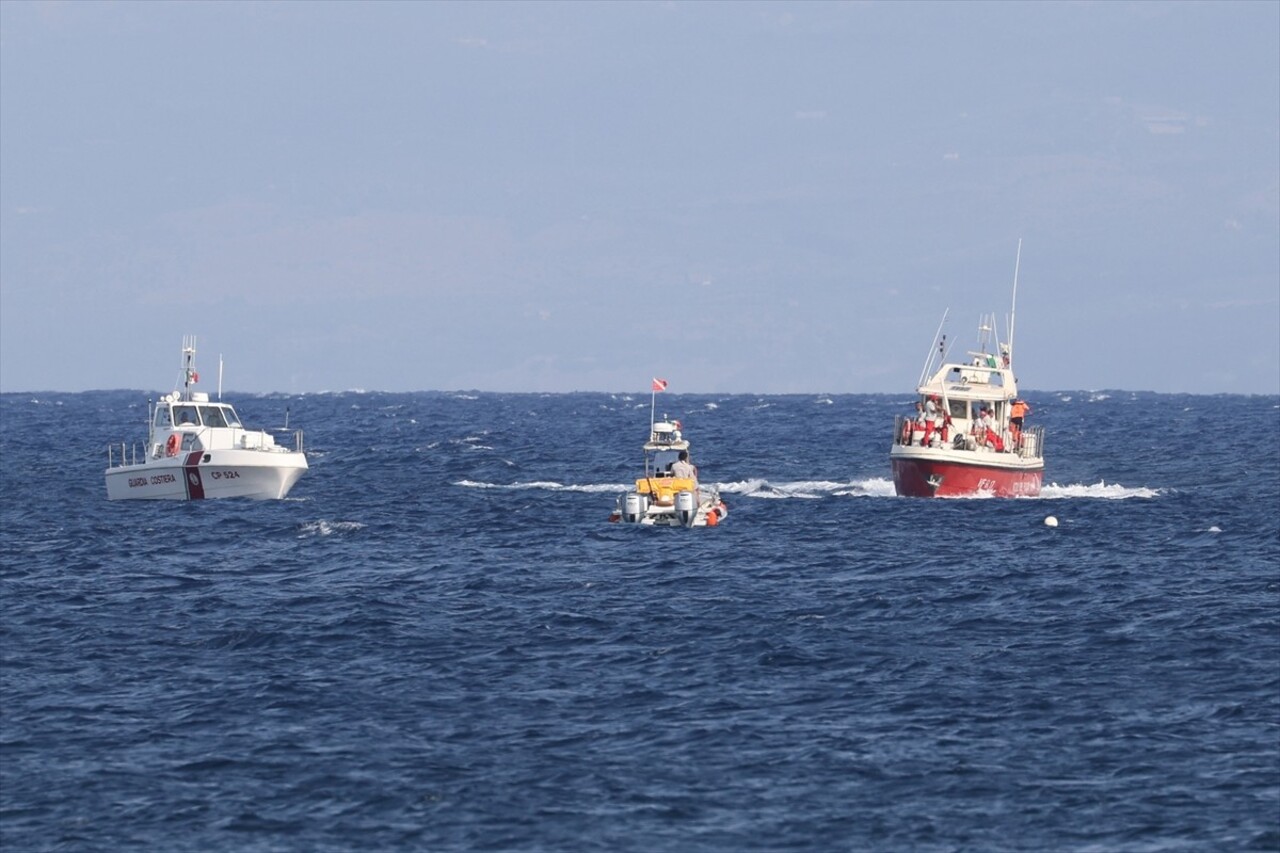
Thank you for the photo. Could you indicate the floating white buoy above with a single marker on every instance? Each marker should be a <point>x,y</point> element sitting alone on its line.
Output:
<point>1051,521</point>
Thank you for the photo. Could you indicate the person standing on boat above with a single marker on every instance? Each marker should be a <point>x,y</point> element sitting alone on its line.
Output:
<point>920,423</point>
<point>683,469</point>
<point>1017,412</point>
<point>935,423</point>
<point>941,420</point>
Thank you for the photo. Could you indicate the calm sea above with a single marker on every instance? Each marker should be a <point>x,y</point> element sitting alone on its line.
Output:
<point>438,641</point>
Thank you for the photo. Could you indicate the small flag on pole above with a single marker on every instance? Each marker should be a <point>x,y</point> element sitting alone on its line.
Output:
<point>659,384</point>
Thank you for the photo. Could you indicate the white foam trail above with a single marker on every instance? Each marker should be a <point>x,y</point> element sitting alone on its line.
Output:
<point>1109,491</point>
<point>874,487</point>
<point>546,485</point>
<point>810,489</point>
<point>755,488</point>
<point>327,528</point>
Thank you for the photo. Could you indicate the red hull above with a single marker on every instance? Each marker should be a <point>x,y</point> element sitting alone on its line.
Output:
<point>935,477</point>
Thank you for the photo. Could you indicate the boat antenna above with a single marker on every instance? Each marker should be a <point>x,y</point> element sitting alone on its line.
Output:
<point>189,375</point>
<point>941,347</point>
<point>1013,309</point>
<point>219,377</point>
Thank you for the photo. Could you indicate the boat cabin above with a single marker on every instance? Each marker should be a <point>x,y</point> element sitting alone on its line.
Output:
<point>663,448</point>
<point>194,413</point>
<point>959,391</point>
<point>188,422</point>
<point>967,409</point>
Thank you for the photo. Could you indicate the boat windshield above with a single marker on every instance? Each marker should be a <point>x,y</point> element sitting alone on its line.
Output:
<point>662,461</point>
<point>193,415</point>
<point>219,416</point>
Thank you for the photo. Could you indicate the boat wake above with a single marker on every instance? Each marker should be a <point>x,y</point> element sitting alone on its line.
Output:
<point>327,528</point>
<point>802,489</point>
<point>1052,491</point>
<point>1101,489</point>
<point>871,487</point>
<point>810,489</point>
<point>546,485</point>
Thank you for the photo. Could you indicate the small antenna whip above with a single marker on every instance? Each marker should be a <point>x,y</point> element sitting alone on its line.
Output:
<point>1013,310</point>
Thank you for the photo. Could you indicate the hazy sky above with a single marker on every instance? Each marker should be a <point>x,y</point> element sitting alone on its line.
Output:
<point>738,197</point>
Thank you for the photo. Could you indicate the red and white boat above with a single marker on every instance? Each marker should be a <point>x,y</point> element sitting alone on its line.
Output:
<point>967,437</point>
<point>197,449</point>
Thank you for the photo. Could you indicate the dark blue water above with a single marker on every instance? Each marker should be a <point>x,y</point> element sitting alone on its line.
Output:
<point>438,641</point>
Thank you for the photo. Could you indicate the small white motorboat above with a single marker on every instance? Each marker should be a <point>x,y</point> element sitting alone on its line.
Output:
<point>197,449</point>
<point>663,496</point>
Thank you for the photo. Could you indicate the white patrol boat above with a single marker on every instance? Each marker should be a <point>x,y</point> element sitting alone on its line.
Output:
<point>197,449</point>
<point>661,497</point>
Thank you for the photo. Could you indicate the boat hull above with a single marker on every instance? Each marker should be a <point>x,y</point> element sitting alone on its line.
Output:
<point>940,473</point>
<point>205,475</point>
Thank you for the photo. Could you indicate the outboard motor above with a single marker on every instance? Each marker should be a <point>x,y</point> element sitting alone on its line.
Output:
<point>686,509</point>
<point>634,506</point>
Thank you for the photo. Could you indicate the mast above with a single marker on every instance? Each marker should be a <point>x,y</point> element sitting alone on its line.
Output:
<point>653,399</point>
<point>1013,309</point>
<point>928,362</point>
<point>189,375</point>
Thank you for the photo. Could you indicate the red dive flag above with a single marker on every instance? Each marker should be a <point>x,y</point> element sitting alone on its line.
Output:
<point>659,384</point>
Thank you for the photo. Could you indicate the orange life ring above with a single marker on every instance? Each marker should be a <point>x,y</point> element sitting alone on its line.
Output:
<point>171,448</point>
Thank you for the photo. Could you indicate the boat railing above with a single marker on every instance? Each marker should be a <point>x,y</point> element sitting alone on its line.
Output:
<point>128,455</point>
<point>1030,443</point>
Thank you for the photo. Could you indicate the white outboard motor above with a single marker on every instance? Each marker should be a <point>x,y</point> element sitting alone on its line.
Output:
<point>634,506</point>
<point>686,508</point>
